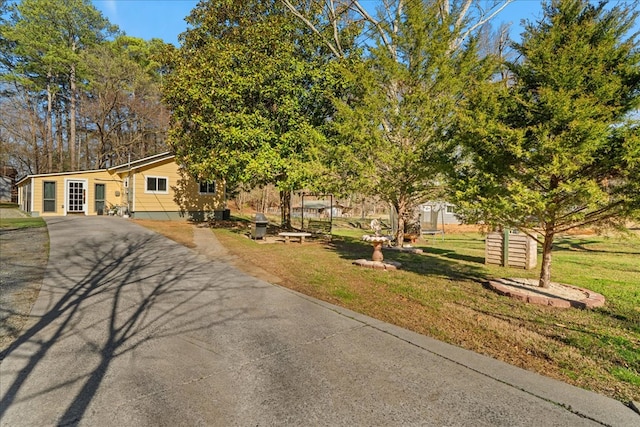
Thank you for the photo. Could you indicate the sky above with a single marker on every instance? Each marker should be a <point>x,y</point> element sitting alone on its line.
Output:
<point>164,19</point>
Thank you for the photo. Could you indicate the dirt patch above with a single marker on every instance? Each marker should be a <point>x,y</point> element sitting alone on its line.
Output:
<point>476,228</point>
<point>178,231</point>
<point>24,258</point>
<point>463,228</point>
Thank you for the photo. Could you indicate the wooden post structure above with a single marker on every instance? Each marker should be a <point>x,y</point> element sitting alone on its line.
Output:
<point>505,247</point>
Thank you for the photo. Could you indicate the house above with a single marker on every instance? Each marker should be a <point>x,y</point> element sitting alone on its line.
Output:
<point>318,209</point>
<point>435,212</point>
<point>155,187</point>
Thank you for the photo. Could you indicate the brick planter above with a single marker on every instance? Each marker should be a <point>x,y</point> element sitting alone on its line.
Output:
<point>579,297</point>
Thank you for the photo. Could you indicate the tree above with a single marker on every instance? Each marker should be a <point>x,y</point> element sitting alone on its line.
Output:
<point>47,48</point>
<point>46,38</point>
<point>392,126</point>
<point>240,96</point>
<point>329,18</point>
<point>558,147</point>
<point>121,102</point>
<point>21,130</point>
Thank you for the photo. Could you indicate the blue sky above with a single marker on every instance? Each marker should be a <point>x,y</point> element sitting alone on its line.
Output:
<point>164,19</point>
<point>147,19</point>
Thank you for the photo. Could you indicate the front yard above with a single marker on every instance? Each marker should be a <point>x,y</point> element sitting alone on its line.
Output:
<point>441,294</point>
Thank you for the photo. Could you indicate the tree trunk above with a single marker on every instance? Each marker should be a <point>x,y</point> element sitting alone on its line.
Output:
<point>239,199</point>
<point>72,116</point>
<point>103,156</point>
<point>34,138</point>
<point>545,271</point>
<point>59,136</point>
<point>285,209</point>
<point>401,208</point>
<point>49,126</point>
<point>264,200</point>
<point>87,150</point>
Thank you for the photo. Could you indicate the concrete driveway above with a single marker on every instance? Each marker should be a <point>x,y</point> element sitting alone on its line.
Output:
<point>132,329</point>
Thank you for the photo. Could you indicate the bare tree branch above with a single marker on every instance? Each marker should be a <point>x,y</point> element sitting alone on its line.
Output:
<point>463,12</point>
<point>388,28</point>
<point>383,35</point>
<point>336,50</point>
<point>334,23</point>
<point>480,22</point>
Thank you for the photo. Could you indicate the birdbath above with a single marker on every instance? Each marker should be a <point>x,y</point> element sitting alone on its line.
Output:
<point>377,258</point>
<point>377,242</point>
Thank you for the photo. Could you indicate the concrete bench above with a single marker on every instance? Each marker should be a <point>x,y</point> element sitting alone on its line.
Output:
<point>289,234</point>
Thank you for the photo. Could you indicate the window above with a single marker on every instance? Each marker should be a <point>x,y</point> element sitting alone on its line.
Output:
<point>49,196</point>
<point>451,209</point>
<point>156,185</point>
<point>207,188</point>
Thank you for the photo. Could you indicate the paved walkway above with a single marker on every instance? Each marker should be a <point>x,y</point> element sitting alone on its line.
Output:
<point>132,329</point>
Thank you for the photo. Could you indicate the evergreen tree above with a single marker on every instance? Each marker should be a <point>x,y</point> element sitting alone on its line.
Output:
<point>242,99</point>
<point>393,130</point>
<point>46,40</point>
<point>398,94</point>
<point>559,146</point>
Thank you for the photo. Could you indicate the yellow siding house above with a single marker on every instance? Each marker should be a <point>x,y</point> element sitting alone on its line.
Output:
<point>151,188</point>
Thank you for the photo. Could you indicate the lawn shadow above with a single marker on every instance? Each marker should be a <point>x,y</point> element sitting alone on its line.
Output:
<point>551,325</point>
<point>234,224</point>
<point>244,226</point>
<point>628,318</point>
<point>576,245</point>
<point>432,262</point>
<point>448,253</point>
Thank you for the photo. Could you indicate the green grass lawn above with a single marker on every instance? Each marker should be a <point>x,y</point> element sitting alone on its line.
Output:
<point>16,223</point>
<point>442,294</point>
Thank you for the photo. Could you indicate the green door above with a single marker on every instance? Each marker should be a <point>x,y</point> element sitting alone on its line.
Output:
<point>100,193</point>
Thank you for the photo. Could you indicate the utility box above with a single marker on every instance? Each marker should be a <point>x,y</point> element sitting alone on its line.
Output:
<point>511,250</point>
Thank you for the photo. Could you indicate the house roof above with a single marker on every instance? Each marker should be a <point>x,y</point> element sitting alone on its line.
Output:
<point>120,168</point>
<point>142,162</point>
<point>41,175</point>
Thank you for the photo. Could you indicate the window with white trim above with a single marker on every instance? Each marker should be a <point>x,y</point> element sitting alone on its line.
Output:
<point>156,184</point>
<point>207,188</point>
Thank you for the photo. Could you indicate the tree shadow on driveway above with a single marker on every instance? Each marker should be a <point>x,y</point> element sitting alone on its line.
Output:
<point>108,299</point>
